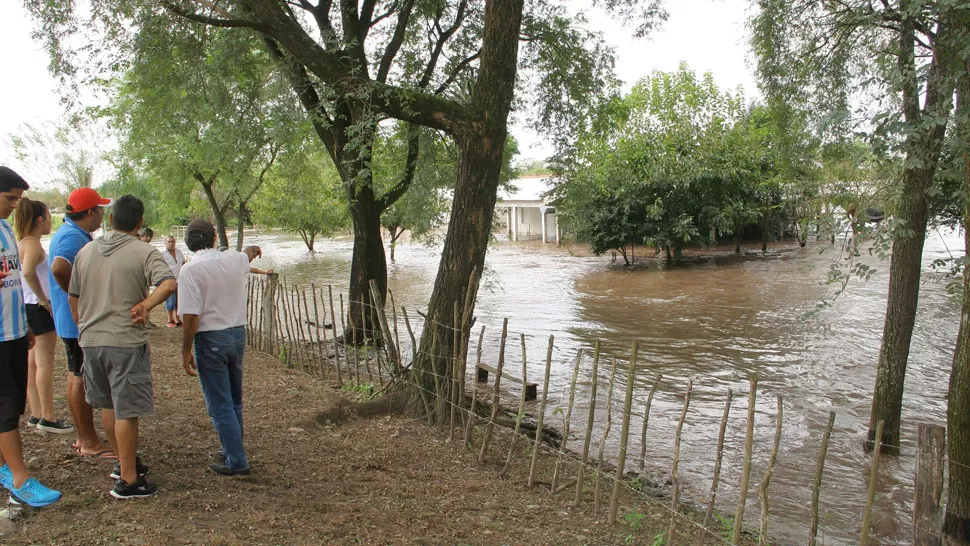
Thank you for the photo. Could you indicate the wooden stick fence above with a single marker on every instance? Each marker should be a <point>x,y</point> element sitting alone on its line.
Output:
<point>305,329</point>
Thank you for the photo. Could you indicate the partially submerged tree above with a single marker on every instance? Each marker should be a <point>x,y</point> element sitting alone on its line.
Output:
<point>899,58</point>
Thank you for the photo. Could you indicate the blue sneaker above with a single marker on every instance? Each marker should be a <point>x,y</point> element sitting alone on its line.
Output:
<point>34,494</point>
<point>6,477</point>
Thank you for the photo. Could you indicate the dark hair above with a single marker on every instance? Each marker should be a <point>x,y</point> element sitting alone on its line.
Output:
<point>75,216</point>
<point>126,212</point>
<point>199,235</point>
<point>9,180</point>
<point>147,232</point>
<point>28,213</point>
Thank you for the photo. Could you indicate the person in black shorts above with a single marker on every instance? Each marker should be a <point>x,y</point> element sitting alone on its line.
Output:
<point>33,221</point>
<point>15,340</point>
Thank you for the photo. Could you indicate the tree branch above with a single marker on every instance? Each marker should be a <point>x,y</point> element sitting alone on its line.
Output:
<point>395,193</point>
<point>443,38</point>
<point>212,21</point>
<point>394,45</point>
<point>458,68</point>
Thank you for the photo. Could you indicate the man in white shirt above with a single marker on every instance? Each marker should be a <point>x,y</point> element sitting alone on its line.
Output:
<point>212,302</point>
<point>175,260</point>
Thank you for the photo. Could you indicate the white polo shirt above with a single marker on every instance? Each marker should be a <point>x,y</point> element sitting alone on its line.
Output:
<point>213,286</point>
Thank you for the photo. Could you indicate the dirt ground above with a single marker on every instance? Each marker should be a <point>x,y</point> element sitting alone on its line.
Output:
<point>385,479</point>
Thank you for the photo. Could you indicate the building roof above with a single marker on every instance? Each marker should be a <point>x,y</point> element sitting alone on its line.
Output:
<point>527,188</point>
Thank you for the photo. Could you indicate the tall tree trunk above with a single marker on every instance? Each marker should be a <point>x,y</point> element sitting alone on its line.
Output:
<point>368,263</point>
<point>240,227</point>
<point>923,145</point>
<point>481,145</point>
<point>956,524</point>
<point>218,213</point>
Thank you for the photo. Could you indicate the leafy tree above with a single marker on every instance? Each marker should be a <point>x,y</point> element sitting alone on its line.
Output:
<point>204,106</point>
<point>304,195</point>
<point>60,156</point>
<point>669,165</point>
<point>900,58</point>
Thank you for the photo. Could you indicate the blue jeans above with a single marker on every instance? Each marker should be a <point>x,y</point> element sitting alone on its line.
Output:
<point>219,358</point>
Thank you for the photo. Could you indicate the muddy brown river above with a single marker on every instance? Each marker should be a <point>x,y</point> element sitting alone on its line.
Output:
<point>719,320</point>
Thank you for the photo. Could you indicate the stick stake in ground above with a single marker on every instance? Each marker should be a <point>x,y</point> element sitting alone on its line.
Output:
<point>631,377</point>
<point>646,420</point>
<point>819,468</point>
<point>520,414</point>
<point>873,475</point>
<point>746,471</point>
<point>763,489</point>
<point>496,396</point>
<point>589,424</point>
<point>471,411</point>
<point>542,413</point>
<point>700,540</point>
<point>569,414</point>
<point>606,434</point>
<point>674,474</point>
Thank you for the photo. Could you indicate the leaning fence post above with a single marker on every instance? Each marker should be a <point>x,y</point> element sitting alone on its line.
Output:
<point>873,474</point>
<point>746,471</point>
<point>624,431</point>
<point>542,413</point>
<point>674,470</point>
<point>589,424</point>
<point>569,413</point>
<point>521,412</point>
<point>497,395</point>
<point>819,468</point>
<point>646,421</point>
<point>716,480</point>
<point>606,434</point>
<point>927,516</point>
<point>763,490</point>
<point>269,313</point>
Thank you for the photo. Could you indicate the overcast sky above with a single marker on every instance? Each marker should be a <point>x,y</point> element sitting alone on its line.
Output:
<point>709,35</point>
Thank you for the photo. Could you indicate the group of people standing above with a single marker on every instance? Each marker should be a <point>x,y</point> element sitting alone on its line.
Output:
<point>65,293</point>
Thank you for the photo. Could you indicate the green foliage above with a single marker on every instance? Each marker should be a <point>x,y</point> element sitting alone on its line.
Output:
<point>634,521</point>
<point>305,195</point>
<point>362,390</point>
<point>671,164</point>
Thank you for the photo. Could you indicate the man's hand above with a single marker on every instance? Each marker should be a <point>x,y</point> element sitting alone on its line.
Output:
<point>188,361</point>
<point>4,275</point>
<point>253,251</point>
<point>139,313</point>
<point>31,340</point>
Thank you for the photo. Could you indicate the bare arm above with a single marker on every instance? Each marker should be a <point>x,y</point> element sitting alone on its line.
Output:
<point>139,313</point>
<point>73,301</point>
<point>61,270</point>
<point>255,252</point>
<point>31,255</point>
<point>190,325</point>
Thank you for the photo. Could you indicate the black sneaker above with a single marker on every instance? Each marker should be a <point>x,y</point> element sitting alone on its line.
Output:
<point>141,469</point>
<point>138,490</point>
<point>222,470</point>
<point>32,422</point>
<point>57,426</point>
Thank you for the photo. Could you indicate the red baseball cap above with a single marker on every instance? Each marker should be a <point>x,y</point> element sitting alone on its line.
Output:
<point>83,199</point>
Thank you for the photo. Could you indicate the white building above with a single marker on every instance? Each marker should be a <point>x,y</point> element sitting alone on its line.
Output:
<point>527,211</point>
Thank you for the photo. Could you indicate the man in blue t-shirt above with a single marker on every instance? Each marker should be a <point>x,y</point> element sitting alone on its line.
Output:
<point>15,340</point>
<point>85,210</point>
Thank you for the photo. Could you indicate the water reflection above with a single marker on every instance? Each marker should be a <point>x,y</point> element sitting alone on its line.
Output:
<point>720,320</point>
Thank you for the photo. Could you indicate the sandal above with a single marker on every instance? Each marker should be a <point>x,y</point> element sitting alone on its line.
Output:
<point>103,454</point>
<point>171,324</point>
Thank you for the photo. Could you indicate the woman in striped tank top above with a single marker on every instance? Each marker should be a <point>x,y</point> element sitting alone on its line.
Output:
<point>33,221</point>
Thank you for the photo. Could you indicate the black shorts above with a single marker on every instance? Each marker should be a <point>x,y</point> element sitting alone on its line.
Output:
<point>75,356</point>
<point>13,383</point>
<point>39,319</point>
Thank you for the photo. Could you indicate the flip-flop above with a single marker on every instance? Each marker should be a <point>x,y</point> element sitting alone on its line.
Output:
<point>103,454</point>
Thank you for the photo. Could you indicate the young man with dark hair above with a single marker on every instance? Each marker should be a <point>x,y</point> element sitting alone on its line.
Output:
<point>109,297</point>
<point>16,340</point>
<point>85,211</point>
<point>146,235</point>
<point>212,301</point>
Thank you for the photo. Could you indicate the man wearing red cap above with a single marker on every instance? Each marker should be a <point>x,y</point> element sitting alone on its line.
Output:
<point>85,211</point>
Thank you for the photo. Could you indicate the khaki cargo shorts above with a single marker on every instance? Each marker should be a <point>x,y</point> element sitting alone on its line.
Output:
<point>119,378</point>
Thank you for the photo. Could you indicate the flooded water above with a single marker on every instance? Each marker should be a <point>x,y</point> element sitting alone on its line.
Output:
<point>719,321</point>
